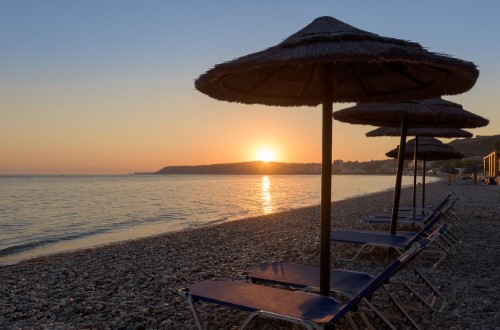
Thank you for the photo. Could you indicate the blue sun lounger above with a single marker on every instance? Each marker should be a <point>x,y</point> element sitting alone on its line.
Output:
<point>443,208</point>
<point>451,197</point>
<point>307,309</point>
<point>301,276</point>
<point>310,310</point>
<point>450,239</point>
<point>346,282</point>
<point>371,238</point>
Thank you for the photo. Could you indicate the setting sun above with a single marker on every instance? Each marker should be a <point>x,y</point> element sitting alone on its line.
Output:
<point>265,155</point>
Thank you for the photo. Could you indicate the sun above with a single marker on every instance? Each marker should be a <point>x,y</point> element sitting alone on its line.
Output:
<point>265,155</point>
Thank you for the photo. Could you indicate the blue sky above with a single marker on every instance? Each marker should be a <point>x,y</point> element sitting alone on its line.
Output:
<point>108,86</point>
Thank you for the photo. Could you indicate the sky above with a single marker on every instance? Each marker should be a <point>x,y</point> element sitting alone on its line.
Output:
<point>90,86</point>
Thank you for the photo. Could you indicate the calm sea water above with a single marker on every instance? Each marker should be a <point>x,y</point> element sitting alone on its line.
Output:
<point>41,215</point>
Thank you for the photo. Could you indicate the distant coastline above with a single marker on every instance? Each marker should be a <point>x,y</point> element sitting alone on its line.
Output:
<point>379,167</point>
<point>255,168</point>
<point>473,148</point>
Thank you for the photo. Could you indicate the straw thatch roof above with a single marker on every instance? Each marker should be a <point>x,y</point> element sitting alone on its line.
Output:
<point>429,148</point>
<point>436,113</point>
<point>424,131</point>
<point>365,67</point>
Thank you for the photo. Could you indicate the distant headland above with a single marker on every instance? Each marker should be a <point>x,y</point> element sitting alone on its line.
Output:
<point>473,149</point>
<point>255,167</point>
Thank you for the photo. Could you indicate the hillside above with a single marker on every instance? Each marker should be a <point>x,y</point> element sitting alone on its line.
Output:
<point>478,146</point>
<point>257,167</point>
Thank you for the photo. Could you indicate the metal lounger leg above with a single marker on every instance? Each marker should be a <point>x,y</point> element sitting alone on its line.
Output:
<point>401,310</point>
<point>431,300</point>
<point>195,312</point>
<point>363,248</point>
<point>452,236</point>
<point>274,316</point>
<point>444,244</point>
<point>379,314</point>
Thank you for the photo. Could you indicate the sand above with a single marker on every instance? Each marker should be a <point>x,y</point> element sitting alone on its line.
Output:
<point>134,284</point>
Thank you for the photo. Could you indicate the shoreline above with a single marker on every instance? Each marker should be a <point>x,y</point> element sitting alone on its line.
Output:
<point>193,227</point>
<point>21,253</point>
<point>135,283</point>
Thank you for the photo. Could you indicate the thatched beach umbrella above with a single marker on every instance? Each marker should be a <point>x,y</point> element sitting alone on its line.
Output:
<point>450,171</point>
<point>422,131</point>
<point>418,132</point>
<point>436,113</point>
<point>330,61</point>
<point>473,169</point>
<point>428,149</point>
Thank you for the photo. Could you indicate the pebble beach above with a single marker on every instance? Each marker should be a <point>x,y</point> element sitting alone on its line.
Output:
<point>135,284</point>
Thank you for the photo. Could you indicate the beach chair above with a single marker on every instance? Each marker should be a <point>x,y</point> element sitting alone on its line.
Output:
<point>444,207</point>
<point>370,239</point>
<point>449,238</point>
<point>310,310</point>
<point>346,282</point>
<point>427,209</point>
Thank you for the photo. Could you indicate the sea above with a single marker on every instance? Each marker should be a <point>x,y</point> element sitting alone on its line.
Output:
<point>46,214</point>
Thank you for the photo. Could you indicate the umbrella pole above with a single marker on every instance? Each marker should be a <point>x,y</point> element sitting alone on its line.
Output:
<point>326,182</point>
<point>399,175</point>
<point>415,168</point>
<point>423,185</point>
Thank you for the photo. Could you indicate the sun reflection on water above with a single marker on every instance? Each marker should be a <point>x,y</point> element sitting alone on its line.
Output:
<point>267,206</point>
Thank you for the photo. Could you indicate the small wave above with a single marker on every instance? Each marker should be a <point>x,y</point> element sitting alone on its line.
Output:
<point>15,249</point>
<point>32,245</point>
<point>197,224</point>
<point>214,222</point>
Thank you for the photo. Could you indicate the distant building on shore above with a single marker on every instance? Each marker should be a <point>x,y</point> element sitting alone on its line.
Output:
<point>388,167</point>
<point>338,166</point>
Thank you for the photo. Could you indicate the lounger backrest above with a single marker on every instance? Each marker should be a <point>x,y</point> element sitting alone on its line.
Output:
<point>431,221</point>
<point>441,207</point>
<point>417,248</point>
<point>445,208</point>
<point>443,203</point>
<point>435,234</point>
<point>394,267</point>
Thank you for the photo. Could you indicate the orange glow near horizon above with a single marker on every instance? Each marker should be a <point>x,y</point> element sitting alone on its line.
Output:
<point>115,139</point>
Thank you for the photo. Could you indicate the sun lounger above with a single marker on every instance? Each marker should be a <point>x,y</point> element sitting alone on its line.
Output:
<point>450,239</point>
<point>311,310</point>
<point>369,239</point>
<point>427,209</point>
<point>301,276</point>
<point>347,282</point>
<point>405,218</point>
